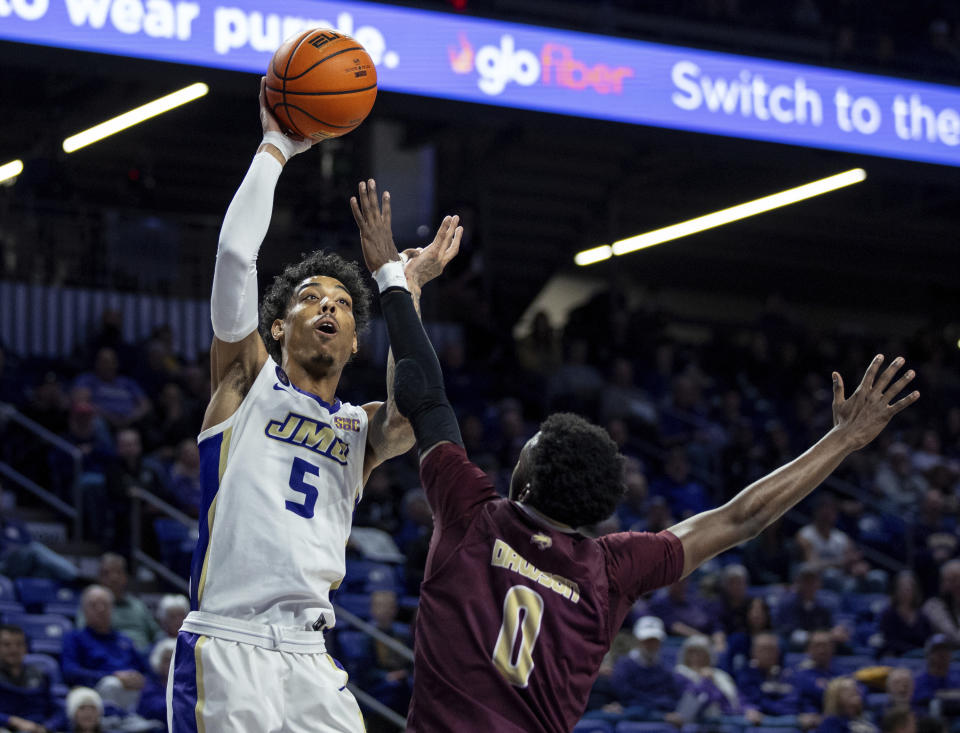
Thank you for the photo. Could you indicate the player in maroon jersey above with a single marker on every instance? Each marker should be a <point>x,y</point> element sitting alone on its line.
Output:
<point>517,608</point>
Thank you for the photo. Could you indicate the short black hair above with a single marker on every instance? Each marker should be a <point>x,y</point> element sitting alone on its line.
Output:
<point>319,263</point>
<point>12,629</point>
<point>576,476</point>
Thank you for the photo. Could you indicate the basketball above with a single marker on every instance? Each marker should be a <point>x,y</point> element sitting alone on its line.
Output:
<point>321,84</point>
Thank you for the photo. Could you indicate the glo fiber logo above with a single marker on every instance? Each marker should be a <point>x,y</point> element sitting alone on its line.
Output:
<point>498,66</point>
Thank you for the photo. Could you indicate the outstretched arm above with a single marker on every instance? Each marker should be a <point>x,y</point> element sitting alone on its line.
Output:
<point>238,352</point>
<point>856,422</point>
<point>390,433</point>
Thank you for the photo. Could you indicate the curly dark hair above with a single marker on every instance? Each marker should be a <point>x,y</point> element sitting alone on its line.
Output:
<point>317,263</point>
<point>576,476</point>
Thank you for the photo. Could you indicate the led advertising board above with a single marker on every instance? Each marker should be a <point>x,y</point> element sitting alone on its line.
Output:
<point>477,60</point>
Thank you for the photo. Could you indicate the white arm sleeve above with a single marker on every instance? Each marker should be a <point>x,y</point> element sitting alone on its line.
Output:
<point>233,303</point>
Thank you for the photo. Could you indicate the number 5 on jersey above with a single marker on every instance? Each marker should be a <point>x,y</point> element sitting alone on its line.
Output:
<point>298,483</point>
<point>513,653</point>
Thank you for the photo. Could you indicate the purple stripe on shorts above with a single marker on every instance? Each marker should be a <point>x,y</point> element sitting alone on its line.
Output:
<point>185,685</point>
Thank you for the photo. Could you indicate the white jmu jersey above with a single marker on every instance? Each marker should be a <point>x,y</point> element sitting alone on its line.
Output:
<point>280,478</point>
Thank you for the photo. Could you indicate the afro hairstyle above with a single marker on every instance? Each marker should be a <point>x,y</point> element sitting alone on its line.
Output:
<point>576,476</point>
<point>316,264</point>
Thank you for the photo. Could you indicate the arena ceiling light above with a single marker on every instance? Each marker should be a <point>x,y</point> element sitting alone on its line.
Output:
<point>135,116</point>
<point>721,217</point>
<point>11,170</point>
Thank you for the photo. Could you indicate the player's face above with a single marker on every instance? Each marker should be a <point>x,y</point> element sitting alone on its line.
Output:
<point>319,331</point>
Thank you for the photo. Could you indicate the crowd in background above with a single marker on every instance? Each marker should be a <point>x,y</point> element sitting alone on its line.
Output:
<point>783,630</point>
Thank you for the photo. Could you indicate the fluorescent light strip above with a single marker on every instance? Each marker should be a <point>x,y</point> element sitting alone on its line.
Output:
<point>719,218</point>
<point>11,170</point>
<point>135,116</point>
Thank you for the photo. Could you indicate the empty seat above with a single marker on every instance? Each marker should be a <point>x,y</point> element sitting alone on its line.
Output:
<point>7,592</point>
<point>34,592</point>
<point>44,632</point>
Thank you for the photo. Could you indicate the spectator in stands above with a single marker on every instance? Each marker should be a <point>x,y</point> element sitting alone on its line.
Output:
<point>768,557</point>
<point>185,477</point>
<point>814,673</point>
<point>826,547</point>
<point>632,510</point>
<point>685,612</point>
<point>130,615</point>
<point>739,643</point>
<point>100,656</point>
<point>21,556</point>
<point>621,398</point>
<point>640,678</point>
<point>119,399</point>
<point>171,611</point>
<point>934,534</point>
<point>390,678</point>
<point>802,612</point>
<point>131,470</point>
<point>895,479</point>
<point>900,688</point>
<point>659,517</point>
<point>49,404</point>
<point>379,508</point>
<point>898,721</point>
<point>84,710</point>
<point>575,384</point>
<point>176,419</point>
<point>539,351</point>
<point>734,599</point>
<point>843,709</point>
<point>153,699</point>
<point>766,688</point>
<point>938,675</point>
<point>706,689</point>
<point>901,624</point>
<point>685,495</point>
<point>943,611</point>
<point>89,433</point>
<point>26,701</point>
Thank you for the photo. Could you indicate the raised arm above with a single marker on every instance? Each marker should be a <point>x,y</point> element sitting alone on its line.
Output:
<point>238,353</point>
<point>390,433</point>
<point>856,422</point>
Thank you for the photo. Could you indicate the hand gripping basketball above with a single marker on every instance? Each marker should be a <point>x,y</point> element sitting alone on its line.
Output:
<point>288,145</point>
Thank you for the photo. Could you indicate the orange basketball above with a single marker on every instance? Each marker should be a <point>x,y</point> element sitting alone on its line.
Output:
<point>321,84</point>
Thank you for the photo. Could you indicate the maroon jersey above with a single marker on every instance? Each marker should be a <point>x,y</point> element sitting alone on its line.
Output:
<point>516,614</point>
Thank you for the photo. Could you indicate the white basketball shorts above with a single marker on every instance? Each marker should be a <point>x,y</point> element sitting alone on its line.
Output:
<point>230,676</point>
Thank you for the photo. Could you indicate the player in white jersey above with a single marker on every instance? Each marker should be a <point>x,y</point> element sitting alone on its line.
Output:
<point>283,463</point>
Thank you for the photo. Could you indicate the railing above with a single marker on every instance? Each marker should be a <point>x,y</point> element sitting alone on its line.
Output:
<point>8,413</point>
<point>139,497</point>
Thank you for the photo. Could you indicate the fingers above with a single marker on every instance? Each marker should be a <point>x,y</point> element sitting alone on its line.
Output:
<point>357,214</point>
<point>871,374</point>
<point>263,91</point>
<point>888,374</point>
<point>903,404</point>
<point>454,246</point>
<point>838,397</point>
<point>385,212</point>
<point>900,384</point>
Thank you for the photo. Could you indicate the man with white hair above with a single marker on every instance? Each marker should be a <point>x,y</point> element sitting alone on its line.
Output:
<point>153,699</point>
<point>171,611</point>
<point>130,615</point>
<point>100,656</point>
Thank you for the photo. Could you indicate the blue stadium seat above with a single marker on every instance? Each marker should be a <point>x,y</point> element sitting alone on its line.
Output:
<point>850,664</point>
<point>771,729</point>
<point>68,609</point>
<point>357,603</point>
<point>8,608</point>
<point>176,544</point>
<point>48,664</point>
<point>866,604</point>
<point>633,726</point>
<point>7,592</point>
<point>593,726</point>
<point>354,648</point>
<point>34,592</point>
<point>44,632</point>
<point>366,576</point>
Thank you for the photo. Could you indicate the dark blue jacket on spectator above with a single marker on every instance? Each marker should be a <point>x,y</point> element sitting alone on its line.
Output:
<point>153,699</point>
<point>926,686</point>
<point>793,614</point>
<point>899,636</point>
<point>693,611</point>
<point>839,724</point>
<point>773,692</point>
<point>28,696</point>
<point>88,656</point>
<point>637,683</point>
<point>811,682</point>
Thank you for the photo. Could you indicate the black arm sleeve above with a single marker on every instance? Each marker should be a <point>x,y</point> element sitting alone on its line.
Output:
<point>418,380</point>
